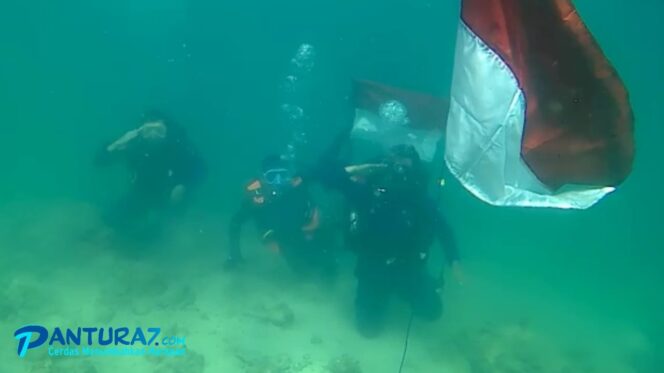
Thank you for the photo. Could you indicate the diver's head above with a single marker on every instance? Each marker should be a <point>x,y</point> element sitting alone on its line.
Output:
<point>277,172</point>
<point>154,126</point>
<point>404,172</point>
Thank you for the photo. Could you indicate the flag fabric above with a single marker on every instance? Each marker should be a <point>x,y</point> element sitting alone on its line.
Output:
<point>388,116</point>
<point>538,116</point>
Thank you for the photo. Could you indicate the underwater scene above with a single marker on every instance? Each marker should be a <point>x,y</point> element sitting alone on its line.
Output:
<point>458,186</point>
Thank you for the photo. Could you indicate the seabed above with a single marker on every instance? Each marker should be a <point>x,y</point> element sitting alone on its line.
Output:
<point>60,268</point>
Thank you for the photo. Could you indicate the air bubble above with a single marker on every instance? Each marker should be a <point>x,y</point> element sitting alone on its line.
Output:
<point>304,58</point>
<point>394,112</point>
<point>293,112</point>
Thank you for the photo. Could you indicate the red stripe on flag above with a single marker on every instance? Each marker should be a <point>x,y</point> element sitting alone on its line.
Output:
<point>579,123</point>
<point>424,111</point>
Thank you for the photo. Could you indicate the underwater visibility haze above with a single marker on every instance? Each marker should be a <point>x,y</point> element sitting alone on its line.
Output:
<point>228,84</point>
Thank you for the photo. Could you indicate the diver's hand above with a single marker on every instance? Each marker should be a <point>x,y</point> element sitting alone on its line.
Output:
<point>177,194</point>
<point>440,283</point>
<point>457,273</point>
<point>122,142</point>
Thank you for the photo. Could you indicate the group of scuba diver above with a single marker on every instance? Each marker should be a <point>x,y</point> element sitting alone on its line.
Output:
<point>391,220</point>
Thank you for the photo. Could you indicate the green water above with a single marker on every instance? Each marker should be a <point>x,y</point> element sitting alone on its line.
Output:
<point>546,291</point>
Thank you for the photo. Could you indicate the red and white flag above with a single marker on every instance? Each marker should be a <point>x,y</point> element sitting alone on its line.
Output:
<point>388,116</point>
<point>538,116</point>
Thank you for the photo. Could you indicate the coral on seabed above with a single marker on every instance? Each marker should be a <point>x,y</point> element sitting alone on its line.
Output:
<point>286,364</point>
<point>278,364</point>
<point>514,348</point>
<point>344,364</point>
<point>280,315</point>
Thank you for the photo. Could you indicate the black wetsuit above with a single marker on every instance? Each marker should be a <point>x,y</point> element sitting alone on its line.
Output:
<point>281,220</point>
<point>155,169</point>
<point>391,237</point>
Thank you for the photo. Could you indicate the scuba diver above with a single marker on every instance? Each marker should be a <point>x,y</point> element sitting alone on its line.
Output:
<point>392,225</point>
<point>280,205</point>
<point>164,169</point>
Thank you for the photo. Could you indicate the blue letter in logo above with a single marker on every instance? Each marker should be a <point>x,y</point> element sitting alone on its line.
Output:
<point>24,335</point>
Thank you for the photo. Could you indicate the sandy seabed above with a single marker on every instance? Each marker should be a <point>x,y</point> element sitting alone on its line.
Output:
<point>59,268</point>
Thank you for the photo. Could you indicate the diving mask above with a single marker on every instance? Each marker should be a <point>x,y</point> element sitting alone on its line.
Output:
<point>278,177</point>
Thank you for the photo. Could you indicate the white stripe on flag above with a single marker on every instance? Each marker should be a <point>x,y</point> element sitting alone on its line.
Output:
<point>371,127</point>
<point>484,132</point>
